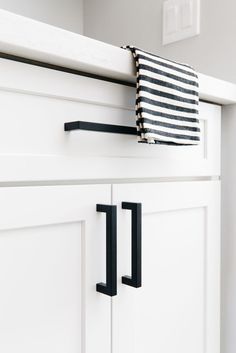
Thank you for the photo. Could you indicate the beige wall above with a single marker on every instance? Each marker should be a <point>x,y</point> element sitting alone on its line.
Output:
<point>67,14</point>
<point>139,22</point>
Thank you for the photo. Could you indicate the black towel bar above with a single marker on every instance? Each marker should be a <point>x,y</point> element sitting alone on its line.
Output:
<point>84,125</point>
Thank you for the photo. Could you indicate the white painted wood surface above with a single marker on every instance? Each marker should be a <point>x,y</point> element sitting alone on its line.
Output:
<point>228,303</point>
<point>39,41</point>
<point>52,254</point>
<point>35,104</point>
<point>52,243</point>
<point>177,309</point>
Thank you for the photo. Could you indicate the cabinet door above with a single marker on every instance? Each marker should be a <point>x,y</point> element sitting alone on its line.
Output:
<point>52,254</point>
<point>178,306</point>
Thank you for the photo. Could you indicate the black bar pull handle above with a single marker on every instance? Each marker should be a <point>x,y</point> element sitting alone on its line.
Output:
<point>91,126</point>
<point>135,280</point>
<point>110,287</point>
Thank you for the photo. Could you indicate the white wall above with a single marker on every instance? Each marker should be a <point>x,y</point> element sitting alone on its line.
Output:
<point>67,14</point>
<point>139,22</point>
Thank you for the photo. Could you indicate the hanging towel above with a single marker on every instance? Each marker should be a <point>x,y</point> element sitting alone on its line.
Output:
<point>167,100</point>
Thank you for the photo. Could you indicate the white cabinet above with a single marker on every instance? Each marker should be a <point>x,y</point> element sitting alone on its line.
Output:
<point>34,145</point>
<point>52,254</point>
<point>177,307</point>
<point>53,242</point>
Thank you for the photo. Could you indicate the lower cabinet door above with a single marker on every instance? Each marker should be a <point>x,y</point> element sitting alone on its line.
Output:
<point>177,307</point>
<point>52,254</point>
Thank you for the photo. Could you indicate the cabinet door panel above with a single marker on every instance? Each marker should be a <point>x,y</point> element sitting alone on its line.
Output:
<point>52,254</point>
<point>177,307</point>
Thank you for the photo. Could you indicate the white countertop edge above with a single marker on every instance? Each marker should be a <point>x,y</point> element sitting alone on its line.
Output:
<point>22,36</point>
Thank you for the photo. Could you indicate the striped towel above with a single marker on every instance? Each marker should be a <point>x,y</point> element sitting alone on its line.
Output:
<point>167,100</point>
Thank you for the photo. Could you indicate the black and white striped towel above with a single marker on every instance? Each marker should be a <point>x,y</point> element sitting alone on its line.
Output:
<point>167,100</point>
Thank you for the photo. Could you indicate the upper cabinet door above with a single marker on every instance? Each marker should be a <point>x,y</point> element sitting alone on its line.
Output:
<point>36,102</point>
<point>52,254</point>
<point>177,307</point>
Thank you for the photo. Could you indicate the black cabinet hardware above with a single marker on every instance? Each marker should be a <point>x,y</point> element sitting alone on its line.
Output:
<point>110,287</point>
<point>90,126</point>
<point>135,280</point>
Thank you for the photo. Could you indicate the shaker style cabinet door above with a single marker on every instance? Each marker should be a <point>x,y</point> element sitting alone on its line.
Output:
<point>52,254</point>
<point>171,303</point>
